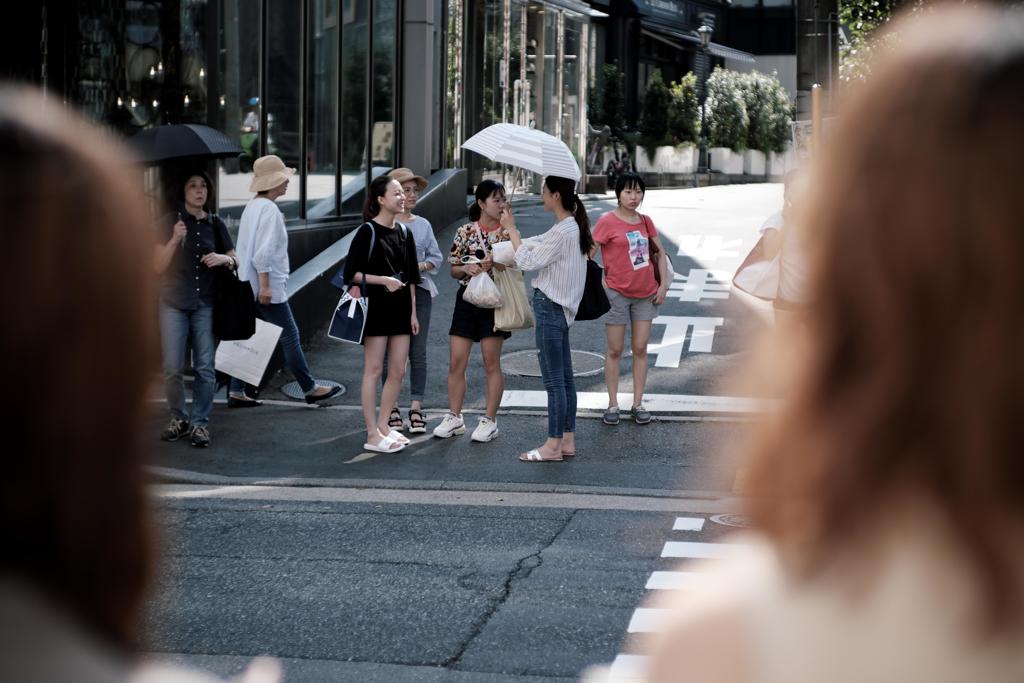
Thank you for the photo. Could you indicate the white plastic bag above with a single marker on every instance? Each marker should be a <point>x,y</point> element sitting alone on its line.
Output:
<point>515,312</point>
<point>482,292</point>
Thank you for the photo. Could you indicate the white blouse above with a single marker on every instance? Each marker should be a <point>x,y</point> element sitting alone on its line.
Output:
<point>562,268</point>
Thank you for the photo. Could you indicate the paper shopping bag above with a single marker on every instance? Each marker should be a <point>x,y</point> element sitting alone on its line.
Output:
<point>247,359</point>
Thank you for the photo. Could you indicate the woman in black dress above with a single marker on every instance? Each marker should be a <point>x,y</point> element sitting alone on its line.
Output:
<point>384,253</point>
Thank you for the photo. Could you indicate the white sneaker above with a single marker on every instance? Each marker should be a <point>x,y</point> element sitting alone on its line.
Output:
<point>487,430</point>
<point>451,425</point>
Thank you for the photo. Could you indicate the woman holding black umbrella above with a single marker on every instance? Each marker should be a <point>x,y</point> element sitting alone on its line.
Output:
<point>195,242</point>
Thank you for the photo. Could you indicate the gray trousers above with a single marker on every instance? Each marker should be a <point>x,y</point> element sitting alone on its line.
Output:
<point>417,347</point>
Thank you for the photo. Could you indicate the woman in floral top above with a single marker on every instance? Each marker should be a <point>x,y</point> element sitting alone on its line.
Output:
<point>471,256</point>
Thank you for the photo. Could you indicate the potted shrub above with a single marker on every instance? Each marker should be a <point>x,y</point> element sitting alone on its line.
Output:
<point>654,154</point>
<point>755,86</point>
<point>726,119</point>
<point>778,127</point>
<point>684,123</point>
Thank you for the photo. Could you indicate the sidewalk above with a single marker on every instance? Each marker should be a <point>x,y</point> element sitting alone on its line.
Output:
<point>692,451</point>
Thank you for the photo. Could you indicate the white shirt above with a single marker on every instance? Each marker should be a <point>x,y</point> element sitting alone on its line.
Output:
<point>792,261</point>
<point>262,247</point>
<point>562,267</point>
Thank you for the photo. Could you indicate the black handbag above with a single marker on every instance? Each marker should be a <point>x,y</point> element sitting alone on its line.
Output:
<point>594,303</point>
<point>234,306</point>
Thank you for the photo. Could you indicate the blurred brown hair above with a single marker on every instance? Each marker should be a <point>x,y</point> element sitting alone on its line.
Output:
<point>911,383</point>
<point>76,351</point>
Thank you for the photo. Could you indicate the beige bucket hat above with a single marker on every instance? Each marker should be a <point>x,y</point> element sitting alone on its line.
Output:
<point>404,175</point>
<point>268,172</point>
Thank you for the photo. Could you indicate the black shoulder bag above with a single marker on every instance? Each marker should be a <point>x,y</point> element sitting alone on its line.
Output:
<point>234,306</point>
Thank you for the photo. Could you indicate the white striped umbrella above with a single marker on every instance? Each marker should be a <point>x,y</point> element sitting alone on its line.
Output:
<point>527,148</point>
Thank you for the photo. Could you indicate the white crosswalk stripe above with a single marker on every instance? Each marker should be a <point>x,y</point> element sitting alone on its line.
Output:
<point>673,581</point>
<point>698,551</point>
<point>645,620</point>
<point>688,524</point>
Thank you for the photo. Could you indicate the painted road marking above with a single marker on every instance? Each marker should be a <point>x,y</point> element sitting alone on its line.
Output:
<point>677,328</point>
<point>647,620</point>
<point>661,403</point>
<point>688,524</point>
<point>699,551</point>
<point>629,667</point>
<point>708,248</point>
<point>700,284</point>
<point>673,581</point>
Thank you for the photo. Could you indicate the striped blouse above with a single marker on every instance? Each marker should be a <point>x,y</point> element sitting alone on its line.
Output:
<point>562,267</point>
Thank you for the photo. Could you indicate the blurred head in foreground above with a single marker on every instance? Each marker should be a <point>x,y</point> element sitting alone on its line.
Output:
<point>75,355</point>
<point>909,389</point>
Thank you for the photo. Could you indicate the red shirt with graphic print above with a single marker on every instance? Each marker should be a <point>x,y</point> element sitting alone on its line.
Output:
<point>626,252</point>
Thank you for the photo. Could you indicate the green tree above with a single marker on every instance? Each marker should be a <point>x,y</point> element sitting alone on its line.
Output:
<point>654,121</point>
<point>684,113</point>
<point>613,100</point>
<point>726,115</point>
<point>861,20</point>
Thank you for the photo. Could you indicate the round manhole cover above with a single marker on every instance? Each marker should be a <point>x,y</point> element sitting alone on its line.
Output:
<point>293,390</point>
<point>731,520</point>
<point>526,363</point>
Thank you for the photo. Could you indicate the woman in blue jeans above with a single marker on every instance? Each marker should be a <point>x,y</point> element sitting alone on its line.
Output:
<point>196,241</point>
<point>559,257</point>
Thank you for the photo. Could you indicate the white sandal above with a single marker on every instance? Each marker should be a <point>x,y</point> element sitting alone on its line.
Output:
<point>535,456</point>
<point>384,445</point>
<point>399,437</point>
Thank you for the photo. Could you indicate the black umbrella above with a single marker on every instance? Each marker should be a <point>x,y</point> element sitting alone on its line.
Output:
<point>174,141</point>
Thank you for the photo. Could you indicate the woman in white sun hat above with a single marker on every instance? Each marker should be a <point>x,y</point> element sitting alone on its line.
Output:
<point>263,260</point>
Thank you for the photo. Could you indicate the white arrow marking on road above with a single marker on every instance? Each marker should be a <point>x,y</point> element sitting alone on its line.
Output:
<point>670,350</point>
<point>647,620</point>
<point>699,551</point>
<point>688,524</point>
<point>660,403</point>
<point>674,581</point>
<point>700,284</point>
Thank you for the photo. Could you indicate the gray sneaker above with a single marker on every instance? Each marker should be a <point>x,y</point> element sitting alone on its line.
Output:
<point>175,430</point>
<point>611,416</point>
<point>640,414</point>
<point>200,437</point>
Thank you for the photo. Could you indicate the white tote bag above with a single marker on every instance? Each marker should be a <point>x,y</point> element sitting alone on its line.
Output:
<point>247,359</point>
<point>759,276</point>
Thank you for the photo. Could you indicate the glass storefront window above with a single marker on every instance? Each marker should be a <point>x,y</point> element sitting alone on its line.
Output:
<point>322,101</point>
<point>284,95</point>
<point>353,108</point>
<point>572,59</point>
<point>238,104</point>
<point>382,142</point>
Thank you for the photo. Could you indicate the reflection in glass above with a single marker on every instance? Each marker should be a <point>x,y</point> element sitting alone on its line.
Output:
<point>453,86</point>
<point>238,106</point>
<point>353,107</point>
<point>383,132</point>
<point>284,88</point>
<point>571,79</point>
<point>322,144</point>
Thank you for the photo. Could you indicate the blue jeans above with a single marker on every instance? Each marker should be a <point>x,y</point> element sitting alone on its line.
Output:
<point>281,315</point>
<point>417,347</point>
<point>177,328</point>
<point>555,364</point>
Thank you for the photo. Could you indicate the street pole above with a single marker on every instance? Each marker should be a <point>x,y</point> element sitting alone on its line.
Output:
<point>702,155</point>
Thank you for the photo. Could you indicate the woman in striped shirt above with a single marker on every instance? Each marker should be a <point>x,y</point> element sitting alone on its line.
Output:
<point>559,257</point>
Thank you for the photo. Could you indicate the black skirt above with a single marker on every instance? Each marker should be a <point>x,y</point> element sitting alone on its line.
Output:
<point>389,313</point>
<point>473,322</point>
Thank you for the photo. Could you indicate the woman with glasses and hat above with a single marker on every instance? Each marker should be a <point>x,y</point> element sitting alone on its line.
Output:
<point>428,259</point>
<point>263,261</point>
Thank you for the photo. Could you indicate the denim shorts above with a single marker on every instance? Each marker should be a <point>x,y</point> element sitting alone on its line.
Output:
<point>624,308</point>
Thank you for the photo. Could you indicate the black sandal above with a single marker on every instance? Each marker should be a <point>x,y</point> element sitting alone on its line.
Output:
<point>395,420</point>
<point>417,425</point>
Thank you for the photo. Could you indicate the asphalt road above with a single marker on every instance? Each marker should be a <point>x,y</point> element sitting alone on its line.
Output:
<point>452,561</point>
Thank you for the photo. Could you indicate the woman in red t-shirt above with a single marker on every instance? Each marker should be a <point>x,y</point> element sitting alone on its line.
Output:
<point>625,237</point>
